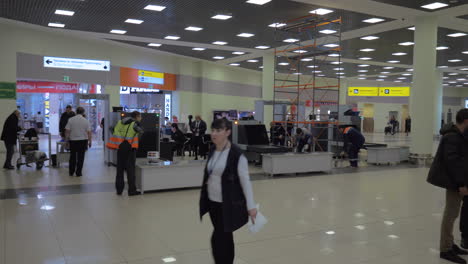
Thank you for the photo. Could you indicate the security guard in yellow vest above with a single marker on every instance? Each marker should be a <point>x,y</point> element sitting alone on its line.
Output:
<point>125,140</point>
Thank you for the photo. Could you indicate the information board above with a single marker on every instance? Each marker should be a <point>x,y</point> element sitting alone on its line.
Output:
<point>7,90</point>
<point>77,64</point>
<point>394,91</point>
<point>150,77</point>
<point>363,91</point>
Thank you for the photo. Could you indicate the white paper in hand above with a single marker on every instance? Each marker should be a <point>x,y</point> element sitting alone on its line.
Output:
<point>260,222</point>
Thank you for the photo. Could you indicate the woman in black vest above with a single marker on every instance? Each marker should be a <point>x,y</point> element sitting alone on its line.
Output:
<point>226,192</point>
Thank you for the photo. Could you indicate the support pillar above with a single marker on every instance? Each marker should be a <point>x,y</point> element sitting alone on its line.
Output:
<point>343,92</point>
<point>426,92</point>
<point>268,83</point>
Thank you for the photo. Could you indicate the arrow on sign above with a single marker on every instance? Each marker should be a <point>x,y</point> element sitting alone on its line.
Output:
<point>49,61</point>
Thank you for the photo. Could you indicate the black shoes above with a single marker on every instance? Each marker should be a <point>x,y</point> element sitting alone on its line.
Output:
<point>452,257</point>
<point>457,250</point>
<point>9,167</point>
<point>464,243</point>
<point>119,193</point>
<point>134,193</point>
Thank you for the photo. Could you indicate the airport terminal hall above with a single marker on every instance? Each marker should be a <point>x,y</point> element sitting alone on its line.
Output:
<point>234,131</point>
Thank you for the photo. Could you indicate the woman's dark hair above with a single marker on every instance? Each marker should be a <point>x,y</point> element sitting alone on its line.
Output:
<point>174,125</point>
<point>222,123</point>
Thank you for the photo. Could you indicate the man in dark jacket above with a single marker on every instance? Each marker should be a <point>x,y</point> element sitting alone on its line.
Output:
<point>198,129</point>
<point>178,138</point>
<point>450,171</point>
<point>353,142</point>
<point>64,120</point>
<point>9,136</point>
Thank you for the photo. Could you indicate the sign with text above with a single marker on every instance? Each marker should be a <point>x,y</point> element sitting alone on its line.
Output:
<point>76,64</point>
<point>150,77</point>
<point>7,90</point>
<point>394,91</point>
<point>167,105</point>
<point>136,90</point>
<point>363,91</point>
<point>46,87</point>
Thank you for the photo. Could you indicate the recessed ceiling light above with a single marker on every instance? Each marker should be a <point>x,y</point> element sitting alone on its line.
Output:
<point>64,12</point>
<point>385,72</point>
<point>221,17</point>
<point>331,45</point>
<point>435,5</point>
<point>218,57</point>
<point>154,45</point>
<point>155,8</point>
<point>393,61</point>
<point>258,2</point>
<point>365,58</point>
<point>59,25</point>
<point>398,81</point>
<point>192,28</point>
<point>453,74</point>
<point>262,47</point>
<point>401,78</point>
<point>261,67</point>
<point>134,21</point>
<point>297,73</point>
<point>363,65</point>
<point>363,71</point>
<point>465,52</point>
<point>456,60</point>
<point>283,63</point>
<point>445,78</point>
<point>412,28</point>
<point>118,31</point>
<point>340,73</point>
<point>362,75</point>
<point>300,51</point>
<point>336,62</point>
<point>169,259</point>
<point>367,50</point>
<point>457,35</point>
<point>464,69</point>
<point>407,74</point>
<point>312,66</point>
<point>461,79</point>
<point>362,78</point>
<point>442,67</point>
<point>380,80</point>
<point>277,25</point>
<point>234,64</point>
<point>199,49</point>
<point>338,69</point>
<point>238,53</point>
<point>252,61</point>
<point>316,71</point>
<point>321,11</point>
<point>291,40</point>
<point>388,68</point>
<point>370,38</point>
<point>246,35</point>
<point>399,54</point>
<point>334,55</point>
<point>373,20</point>
<point>172,37</point>
<point>452,82</point>
<point>307,59</point>
<point>220,43</point>
<point>442,48</point>
<point>408,43</point>
<point>327,31</point>
<point>383,76</point>
<point>410,70</point>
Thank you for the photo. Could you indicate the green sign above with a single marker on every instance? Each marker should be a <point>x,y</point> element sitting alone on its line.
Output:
<point>66,78</point>
<point>7,90</point>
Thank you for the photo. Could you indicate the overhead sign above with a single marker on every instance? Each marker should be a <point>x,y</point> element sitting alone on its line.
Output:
<point>150,77</point>
<point>363,91</point>
<point>7,90</point>
<point>136,90</point>
<point>167,105</point>
<point>394,91</point>
<point>77,64</point>
<point>46,87</point>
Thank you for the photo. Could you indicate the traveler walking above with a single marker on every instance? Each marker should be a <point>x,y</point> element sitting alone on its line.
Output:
<point>449,171</point>
<point>125,141</point>
<point>408,125</point>
<point>9,137</point>
<point>78,133</point>
<point>64,120</point>
<point>226,192</point>
<point>353,142</point>
<point>198,129</point>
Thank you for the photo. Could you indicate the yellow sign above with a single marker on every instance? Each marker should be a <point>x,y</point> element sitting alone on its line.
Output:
<point>151,74</point>
<point>394,91</point>
<point>363,91</point>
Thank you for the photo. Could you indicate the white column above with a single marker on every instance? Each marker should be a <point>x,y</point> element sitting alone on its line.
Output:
<point>425,94</point>
<point>343,92</point>
<point>268,83</point>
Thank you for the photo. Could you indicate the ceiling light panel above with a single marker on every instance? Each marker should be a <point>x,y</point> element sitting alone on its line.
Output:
<point>334,55</point>
<point>300,51</point>
<point>307,59</point>
<point>434,6</point>
<point>367,50</point>
<point>58,25</point>
<point>321,11</point>
<point>118,31</point>
<point>220,43</point>
<point>393,61</point>
<point>399,54</point>
<point>238,53</point>
<point>327,31</point>
<point>221,17</point>
<point>332,45</point>
<point>370,38</point>
<point>252,61</point>
<point>456,60</point>
<point>234,64</point>
<point>408,43</point>
<point>172,37</point>
<point>457,35</point>
<point>192,28</point>
<point>277,25</point>
<point>365,58</point>
<point>199,49</point>
<point>442,48</point>
<point>155,8</point>
<point>64,12</point>
<point>412,28</point>
<point>363,65</point>
<point>134,21</point>
<point>154,45</point>
<point>246,35</point>
<point>290,40</point>
<point>262,47</point>
<point>388,68</point>
<point>373,20</point>
<point>258,2</point>
<point>218,57</point>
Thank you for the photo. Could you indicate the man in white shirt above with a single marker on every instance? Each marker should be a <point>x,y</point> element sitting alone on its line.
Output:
<point>78,133</point>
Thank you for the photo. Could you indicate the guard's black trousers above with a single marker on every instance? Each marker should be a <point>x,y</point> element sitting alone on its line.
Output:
<point>222,242</point>
<point>125,162</point>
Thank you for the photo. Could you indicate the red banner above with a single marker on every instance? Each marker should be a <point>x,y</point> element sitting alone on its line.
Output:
<point>46,87</point>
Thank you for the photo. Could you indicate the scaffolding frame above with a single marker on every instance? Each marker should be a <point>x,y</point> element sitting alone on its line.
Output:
<point>309,38</point>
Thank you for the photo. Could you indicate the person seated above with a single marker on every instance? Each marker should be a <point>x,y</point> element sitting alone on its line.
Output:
<point>178,138</point>
<point>303,137</point>
<point>277,134</point>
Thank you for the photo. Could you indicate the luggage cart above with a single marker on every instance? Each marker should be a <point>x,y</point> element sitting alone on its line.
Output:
<point>29,153</point>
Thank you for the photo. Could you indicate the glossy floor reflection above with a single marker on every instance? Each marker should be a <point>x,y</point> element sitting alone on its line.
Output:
<point>369,216</point>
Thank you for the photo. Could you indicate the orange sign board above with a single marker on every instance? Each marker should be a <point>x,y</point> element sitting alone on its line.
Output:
<point>130,77</point>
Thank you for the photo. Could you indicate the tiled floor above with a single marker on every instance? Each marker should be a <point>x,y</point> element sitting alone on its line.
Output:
<point>370,216</point>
